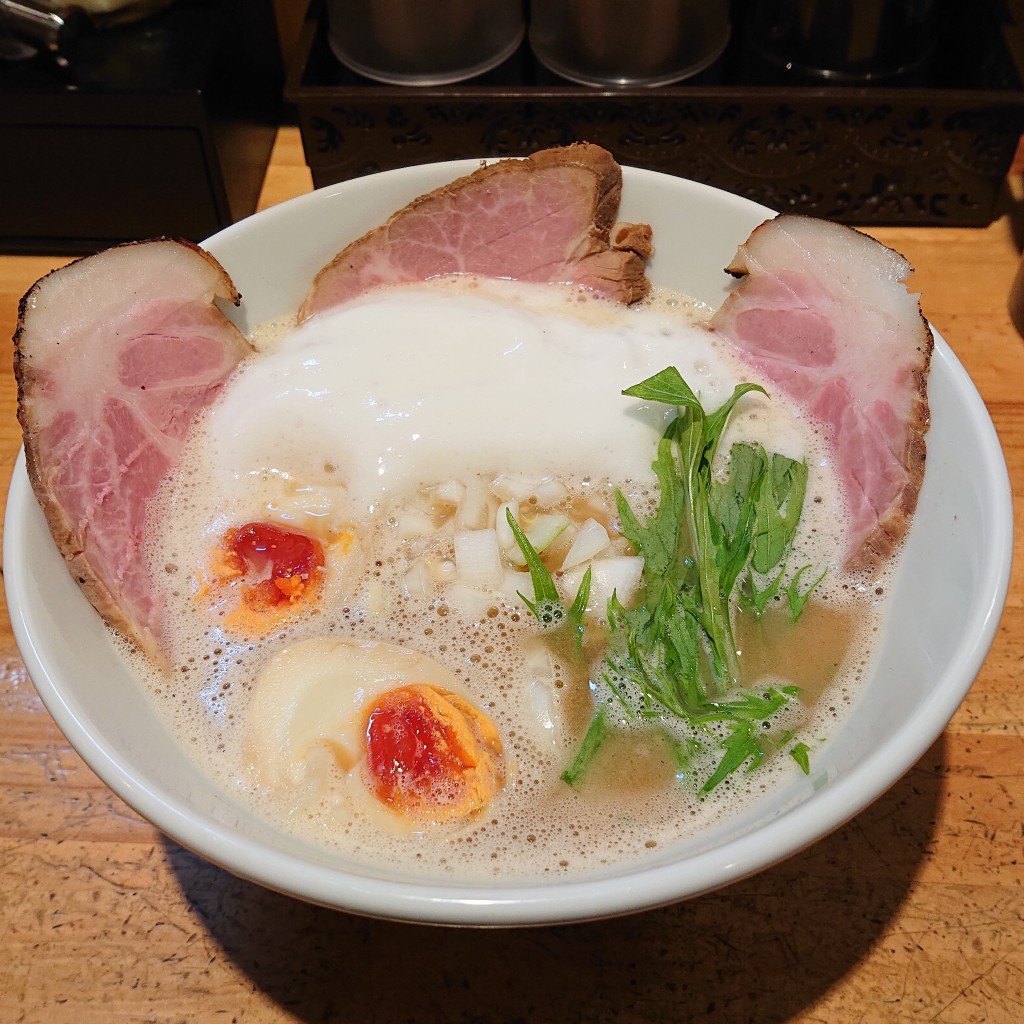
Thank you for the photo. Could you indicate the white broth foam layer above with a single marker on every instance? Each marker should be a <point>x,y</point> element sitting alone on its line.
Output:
<point>339,428</point>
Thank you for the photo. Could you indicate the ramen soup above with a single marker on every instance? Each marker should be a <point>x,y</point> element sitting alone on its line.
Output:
<point>359,645</point>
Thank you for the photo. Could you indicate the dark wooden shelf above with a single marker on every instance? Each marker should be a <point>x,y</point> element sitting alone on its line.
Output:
<point>928,149</point>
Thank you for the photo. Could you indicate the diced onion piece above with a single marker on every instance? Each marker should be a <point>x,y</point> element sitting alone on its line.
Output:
<point>413,523</point>
<point>545,491</point>
<point>416,547</point>
<point>478,557</point>
<point>445,571</point>
<point>506,539</point>
<point>375,597</point>
<point>450,492</point>
<point>591,539</point>
<point>543,720</point>
<point>514,488</point>
<point>417,580</point>
<point>470,602</point>
<point>516,583</point>
<point>556,551</point>
<point>619,574</point>
<point>550,491</point>
<point>542,704</point>
<point>541,533</point>
<point>473,510</point>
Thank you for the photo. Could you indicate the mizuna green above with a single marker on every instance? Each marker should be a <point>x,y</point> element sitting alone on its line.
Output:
<point>712,542</point>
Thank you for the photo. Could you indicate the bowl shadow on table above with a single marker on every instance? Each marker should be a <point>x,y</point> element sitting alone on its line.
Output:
<point>760,950</point>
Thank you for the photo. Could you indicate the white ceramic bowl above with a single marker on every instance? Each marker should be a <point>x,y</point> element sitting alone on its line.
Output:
<point>945,609</point>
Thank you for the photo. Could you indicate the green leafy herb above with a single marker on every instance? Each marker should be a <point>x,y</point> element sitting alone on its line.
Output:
<point>673,654</point>
<point>692,444</point>
<point>547,606</point>
<point>595,735</point>
<point>740,747</point>
<point>796,599</point>
<point>800,753</point>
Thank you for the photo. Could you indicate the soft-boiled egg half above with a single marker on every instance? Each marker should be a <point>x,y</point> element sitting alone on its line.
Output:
<point>347,719</point>
<point>273,569</point>
<point>262,572</point>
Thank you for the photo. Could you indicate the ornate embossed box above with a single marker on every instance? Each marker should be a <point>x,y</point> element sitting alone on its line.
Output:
<point>931,151</point>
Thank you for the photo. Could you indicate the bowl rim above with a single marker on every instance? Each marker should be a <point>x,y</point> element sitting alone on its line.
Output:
<point>587,897</point>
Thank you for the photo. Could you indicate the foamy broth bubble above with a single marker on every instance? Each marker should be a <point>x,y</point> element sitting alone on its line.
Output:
<point>336,424</point>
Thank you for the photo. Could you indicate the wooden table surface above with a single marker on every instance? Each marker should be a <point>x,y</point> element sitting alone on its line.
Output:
<point>914,911</point>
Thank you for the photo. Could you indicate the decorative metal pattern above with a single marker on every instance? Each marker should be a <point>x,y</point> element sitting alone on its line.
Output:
<point>861,156</point>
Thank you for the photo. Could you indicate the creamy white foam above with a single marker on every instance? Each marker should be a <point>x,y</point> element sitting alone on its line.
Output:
<point>428,384</point>
<point>336,425</point>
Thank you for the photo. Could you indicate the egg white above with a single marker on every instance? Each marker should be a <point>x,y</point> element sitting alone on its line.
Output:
<point>306,725</point>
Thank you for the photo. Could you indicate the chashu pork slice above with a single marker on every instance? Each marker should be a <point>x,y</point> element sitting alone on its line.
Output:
<point>822,312</point>
<point>115,355</point>
<point>548,218</point>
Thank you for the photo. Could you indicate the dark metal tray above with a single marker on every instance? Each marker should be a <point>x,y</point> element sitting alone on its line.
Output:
<point>934,149</point>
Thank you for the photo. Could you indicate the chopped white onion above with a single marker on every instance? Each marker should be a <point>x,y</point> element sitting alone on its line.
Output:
<point>413,523</point>
<point>542,704</point>
<point>473,510</point>
<point>417,580</point>
<point>545,491</point>
<point>450,492</point>
<point>541,533</point>
<point>478,557</point>
<point>549,491</point>
<point>619,574</point>
<point>375,600</point>
<point>469,601</point>
<point>556,551</point>
<point>539,666</point>
<point>591,539</point>
<point>506,539</point>
<point>514,488</point>
<point>445,571</point>
<point>516,583</point>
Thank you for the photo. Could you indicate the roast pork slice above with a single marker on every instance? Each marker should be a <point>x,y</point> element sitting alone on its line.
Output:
<point>115,355</point>
<point>822,312</point>
<point>547,218</point>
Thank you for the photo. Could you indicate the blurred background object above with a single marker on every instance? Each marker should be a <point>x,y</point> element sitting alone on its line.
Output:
<point>928,147</point>
<point>113,12</point>
<point>424,42</point>
<point>845,40</point>
<point>28,26</point>
<point>628,42</point>
<point>149,120</point>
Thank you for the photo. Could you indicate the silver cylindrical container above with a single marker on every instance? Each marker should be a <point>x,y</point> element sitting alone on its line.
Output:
<point>628,42</point>
<point>424,42</point>
<point>855,41</point>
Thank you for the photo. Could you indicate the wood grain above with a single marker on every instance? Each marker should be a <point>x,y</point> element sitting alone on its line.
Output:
<point>914,911</point>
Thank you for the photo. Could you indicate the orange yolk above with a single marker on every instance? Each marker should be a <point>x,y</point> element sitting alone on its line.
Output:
<point>431,755</point>
<point>276,569</point>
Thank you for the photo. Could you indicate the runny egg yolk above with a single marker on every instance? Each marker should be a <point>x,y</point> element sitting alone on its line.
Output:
<point>275,569</point>
<point>389,732</point>
<point>431,754</point>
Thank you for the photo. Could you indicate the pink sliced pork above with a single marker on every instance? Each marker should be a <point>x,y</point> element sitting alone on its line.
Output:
<point>115,355</point>
<point>548,218</point>
<point>821,312</point>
